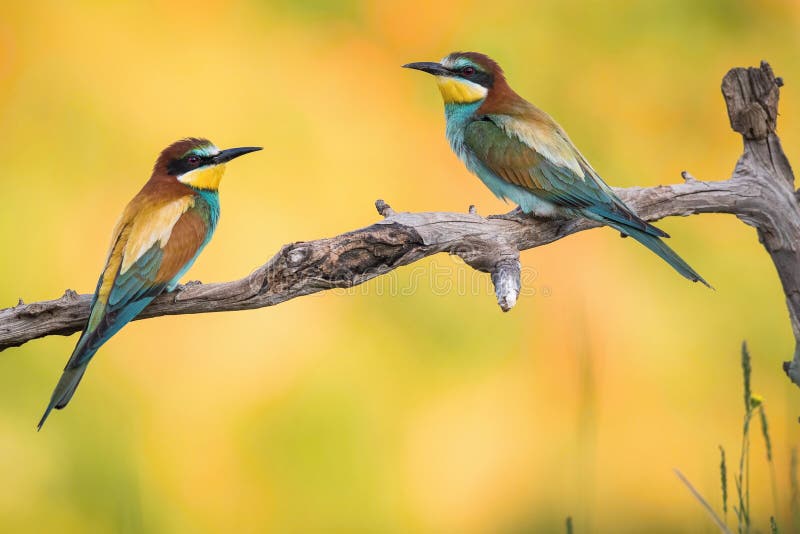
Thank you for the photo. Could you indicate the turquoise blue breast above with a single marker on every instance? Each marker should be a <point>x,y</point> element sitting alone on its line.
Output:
<point>207,204</point>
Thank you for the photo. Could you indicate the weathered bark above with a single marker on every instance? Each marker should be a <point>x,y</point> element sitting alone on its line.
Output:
<point>760,192</point>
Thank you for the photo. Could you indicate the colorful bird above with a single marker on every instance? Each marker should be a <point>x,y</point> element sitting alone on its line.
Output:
<point>523,155</point>
<point>157,238</point>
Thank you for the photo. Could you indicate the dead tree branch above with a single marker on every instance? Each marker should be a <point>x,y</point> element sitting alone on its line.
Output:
<point>760,192</point>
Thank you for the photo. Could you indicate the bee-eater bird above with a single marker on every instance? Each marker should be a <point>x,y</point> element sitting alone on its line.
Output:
<point>523,155</point>
<point>158,237</point>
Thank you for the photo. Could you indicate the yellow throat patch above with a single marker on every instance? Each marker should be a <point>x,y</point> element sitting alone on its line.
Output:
<point>457,91</point>
<point>204,177</point>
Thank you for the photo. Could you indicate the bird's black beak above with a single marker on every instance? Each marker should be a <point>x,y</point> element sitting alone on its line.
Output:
<point>231,153</point>
<point>430,67</point>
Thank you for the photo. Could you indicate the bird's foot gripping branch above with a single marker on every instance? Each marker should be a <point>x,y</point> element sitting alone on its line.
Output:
<point>760,192</point>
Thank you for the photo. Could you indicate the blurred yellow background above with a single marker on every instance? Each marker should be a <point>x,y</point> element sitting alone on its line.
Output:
<point>372,410</point>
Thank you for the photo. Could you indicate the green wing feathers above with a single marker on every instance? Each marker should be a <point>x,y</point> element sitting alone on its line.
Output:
<point>539,158</point>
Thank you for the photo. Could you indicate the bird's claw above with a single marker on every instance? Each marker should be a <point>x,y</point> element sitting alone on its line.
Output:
<point>516,215</point>
<point>180,287</point>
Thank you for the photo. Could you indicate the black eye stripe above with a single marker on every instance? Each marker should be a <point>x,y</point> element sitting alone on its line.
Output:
<point>478,76</point>
<point>187,163</point>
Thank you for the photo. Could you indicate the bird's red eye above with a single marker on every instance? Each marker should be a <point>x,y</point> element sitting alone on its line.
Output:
<point>468,71</point>
<point>193,160</point>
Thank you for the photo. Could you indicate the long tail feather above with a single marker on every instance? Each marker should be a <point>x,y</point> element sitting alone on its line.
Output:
<point>662,249</point>
<point>65,388</point>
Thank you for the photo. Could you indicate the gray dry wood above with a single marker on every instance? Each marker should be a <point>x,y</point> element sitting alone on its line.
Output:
<point>760,192</point>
